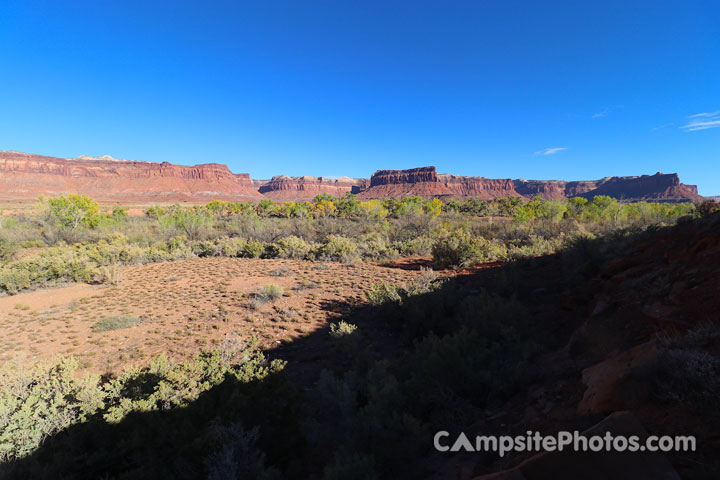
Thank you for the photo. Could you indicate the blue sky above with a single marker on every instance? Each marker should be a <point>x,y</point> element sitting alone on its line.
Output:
<point>503,89</point>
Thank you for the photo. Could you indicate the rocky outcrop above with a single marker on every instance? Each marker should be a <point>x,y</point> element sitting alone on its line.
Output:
<point>426,182</point>
<point>400,177</point>
<point>547,189</point>
<point>478,187</point>
<point>26,176</point>
<point>421,181</point>
<point>23,177</point>
<point>298,189</point>
<point>658,187</point>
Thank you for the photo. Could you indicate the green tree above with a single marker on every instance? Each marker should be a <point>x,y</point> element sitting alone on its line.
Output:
<point>608,207</point>
<point>266,207</point>
<point>575,206</point>
<point>348,206</point>
<point>74,211</point>
<point>119,213</point>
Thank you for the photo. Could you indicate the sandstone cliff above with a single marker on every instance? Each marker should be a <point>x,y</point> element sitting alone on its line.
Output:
<point>426,182</point>
<point>658,187</point>
<point>298,189</point>
<point>478,187</point>
<point>421,181</point>
<point>26,176</point>
<point>23,177</point>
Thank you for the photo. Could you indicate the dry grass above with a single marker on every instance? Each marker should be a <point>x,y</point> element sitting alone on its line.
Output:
<point>185,306</point>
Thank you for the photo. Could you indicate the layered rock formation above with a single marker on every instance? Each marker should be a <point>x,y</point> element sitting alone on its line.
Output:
<point>26,176</point>
<point>23,177</point>
<point>421,181</point>
<point>426,182</point>
<point>284,188</point>
<point>478,187</point>
<point>658,187</point>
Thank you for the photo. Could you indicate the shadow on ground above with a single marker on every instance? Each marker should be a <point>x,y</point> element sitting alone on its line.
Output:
<point>496,350</point>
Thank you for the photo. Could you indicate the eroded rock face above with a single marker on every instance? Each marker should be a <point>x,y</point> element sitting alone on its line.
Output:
<point>426,182</point>
<point>658,187</point>
<point>26,176</point>
<point>478,187</point>
<point>549,190</point>
<point>298,189</point>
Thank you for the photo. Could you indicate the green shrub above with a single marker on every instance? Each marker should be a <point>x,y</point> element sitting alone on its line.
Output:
<point>293,247</point>
<point>280,272</point>
<point>425,282</point>
<point>110,274</point>
<point>253,249</point>
<point>457,250</point>
<point>115,322</point>
<point>7,249</point>
<point>340,249</point>
<point>12,280</point>
<point>534,246</point>
<point>38,403</point>
<point>271,292</point>
<point>341,329</point>
<point>421,245</point>
<point>382,292</point>
<point>205,248</point>
<point>231,247</point>
<point>32,244</point>
<point>376,246</point>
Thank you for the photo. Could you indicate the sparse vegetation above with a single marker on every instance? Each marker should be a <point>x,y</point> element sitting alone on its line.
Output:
<point>382,292</point>
<point>71,240</point>
<point>115,322</point>
<point>408,351</point>
<point>342,329</point>
<point>37,403</point>
<point>271,292</point>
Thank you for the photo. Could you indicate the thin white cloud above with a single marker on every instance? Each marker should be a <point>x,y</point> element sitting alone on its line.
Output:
<point>550,151</point>
<point>605,111</point>
<point>702,121</point>
<point>705,114</point>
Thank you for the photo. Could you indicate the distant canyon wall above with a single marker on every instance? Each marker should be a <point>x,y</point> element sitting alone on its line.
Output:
<point>426,182</point>
<point>23,177</point>
<point>26,176</point>
<point>298,189</point>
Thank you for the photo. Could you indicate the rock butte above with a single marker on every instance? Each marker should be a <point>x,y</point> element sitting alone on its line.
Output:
<point>23,177</point>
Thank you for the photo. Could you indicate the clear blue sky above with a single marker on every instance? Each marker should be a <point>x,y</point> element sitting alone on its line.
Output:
<point>501,88</point>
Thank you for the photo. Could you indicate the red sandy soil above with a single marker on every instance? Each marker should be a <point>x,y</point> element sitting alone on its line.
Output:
<point>183,306</point>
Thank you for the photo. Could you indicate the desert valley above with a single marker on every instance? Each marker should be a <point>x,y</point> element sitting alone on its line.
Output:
<point>188,321</point>
<point>259,240</point>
